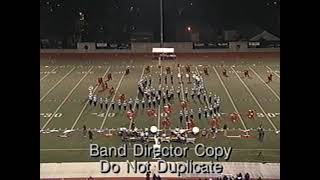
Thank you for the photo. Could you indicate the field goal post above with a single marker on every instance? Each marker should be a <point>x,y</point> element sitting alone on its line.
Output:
<point>163,53</point>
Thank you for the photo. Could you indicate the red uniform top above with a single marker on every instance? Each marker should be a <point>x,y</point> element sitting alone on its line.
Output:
<point>130,114</point>
<point>234,116</point>
<point>214,123</point>
<point>183,104</point>
<point>151,112</point>
<point>190,124</point>
<point>166,122</point>
<point>167,108</point>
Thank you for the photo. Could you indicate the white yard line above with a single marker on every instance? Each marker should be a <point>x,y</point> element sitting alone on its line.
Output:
<point>230,98</point>
<point>207,101</point>
<point>275,94</point>
<point>115,93</point>
<point>65,99</point>
<point>255,99</point>
<point>181,85</point>
<point>48,73</point>
<point>80,149</point>
<point>134,105</point>
<point>273,71</point>
<point>54,86</point>
<point>87,102</point>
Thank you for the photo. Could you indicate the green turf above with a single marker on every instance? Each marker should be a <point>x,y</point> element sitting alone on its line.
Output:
<point>68,112</point>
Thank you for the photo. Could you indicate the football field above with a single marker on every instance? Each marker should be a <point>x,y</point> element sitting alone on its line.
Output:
<point>64,105</point>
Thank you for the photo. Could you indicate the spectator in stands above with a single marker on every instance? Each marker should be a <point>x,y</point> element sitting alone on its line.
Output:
<point>239,176</point>
<point>133,125</point>
<point>159,178</point>
<point>259,178</point>
<point>247,176</point>
<point>154,177</point>
<point>90,178</point>
<point>261,134</point>
<point>90,136</point>
<point>148,176</point>
<point>84,131</point>
<point>225,127</point>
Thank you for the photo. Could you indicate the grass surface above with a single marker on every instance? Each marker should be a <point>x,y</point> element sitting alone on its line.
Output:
<point>64,89</point>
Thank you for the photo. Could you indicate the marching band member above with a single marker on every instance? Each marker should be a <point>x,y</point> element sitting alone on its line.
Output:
<point>251,114</point>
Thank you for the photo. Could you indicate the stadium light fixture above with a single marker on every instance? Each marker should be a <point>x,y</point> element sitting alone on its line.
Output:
<point>161,23</point>
<point>189,28</point>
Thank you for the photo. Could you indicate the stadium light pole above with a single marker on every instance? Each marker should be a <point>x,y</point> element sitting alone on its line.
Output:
<point>161,30</point>
<point>161,23</point>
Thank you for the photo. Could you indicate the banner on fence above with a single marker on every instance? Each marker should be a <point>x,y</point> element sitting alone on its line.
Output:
<point>264,44</point>
<point>211,45</point>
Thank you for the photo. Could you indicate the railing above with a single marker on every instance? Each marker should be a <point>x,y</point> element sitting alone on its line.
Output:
<point>178,46</point>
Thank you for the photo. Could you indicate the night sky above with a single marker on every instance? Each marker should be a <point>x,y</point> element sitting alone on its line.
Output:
<point>117,19</point>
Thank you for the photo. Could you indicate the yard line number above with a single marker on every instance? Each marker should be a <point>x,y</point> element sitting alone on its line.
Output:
<point>260,115</point>
<point>85,72</point>
<point>276,71</point>
<point>271,115</point>
<point>103,114</point>
<point>48,115</point>
<point>48,72</point>
<point>57,115</point>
